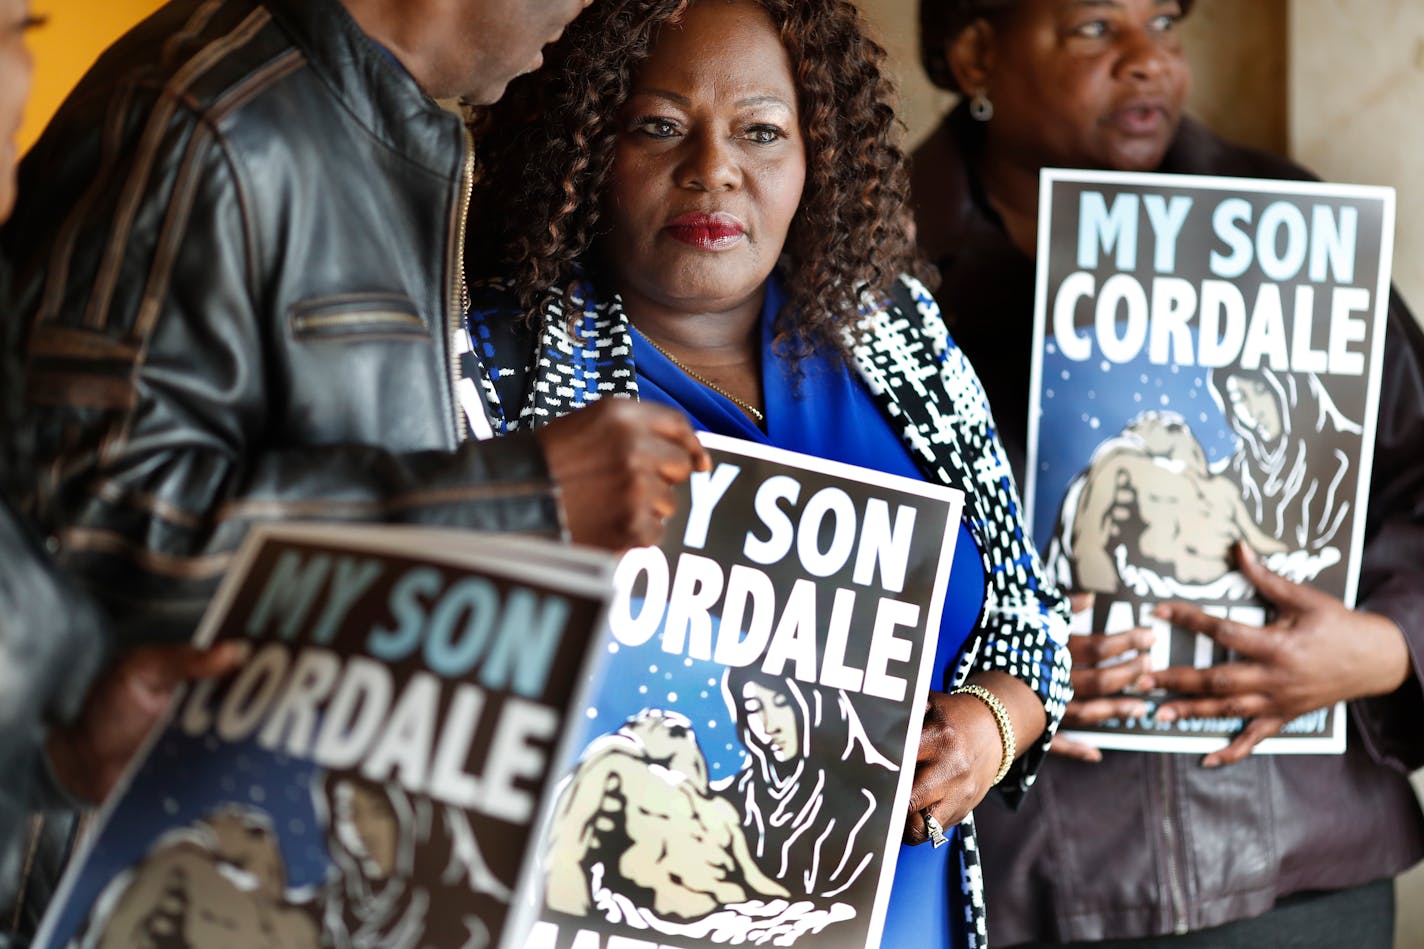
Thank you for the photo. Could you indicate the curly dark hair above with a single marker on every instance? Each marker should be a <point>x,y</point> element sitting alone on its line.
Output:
<point>547,148</point>
<point>942,20</point>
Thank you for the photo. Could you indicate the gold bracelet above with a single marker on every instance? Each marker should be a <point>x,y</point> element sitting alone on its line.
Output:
<point>1006,725</point>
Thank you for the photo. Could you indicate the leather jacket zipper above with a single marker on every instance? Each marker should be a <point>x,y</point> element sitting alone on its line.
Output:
<point>460,291</point>
<point>1174,881</point>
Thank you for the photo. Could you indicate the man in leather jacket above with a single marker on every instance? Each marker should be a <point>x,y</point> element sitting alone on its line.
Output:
<point>239,265</point>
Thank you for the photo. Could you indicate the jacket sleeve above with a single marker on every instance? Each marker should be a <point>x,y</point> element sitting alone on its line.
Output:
<point>1024,622</point>
<point>1392,567</point>
<point>52,643</point>
<point>157,378</point>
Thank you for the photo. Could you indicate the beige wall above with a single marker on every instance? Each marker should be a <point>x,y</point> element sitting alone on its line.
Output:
<point>1237,49</point>
<point>1357,108</point>
<point>1357,114</point>
<point>898,28</point>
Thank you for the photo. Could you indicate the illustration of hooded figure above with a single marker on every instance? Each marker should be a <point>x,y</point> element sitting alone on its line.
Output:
<point>409,872</point>
<point>1293,452</point>
<point>813,784</point>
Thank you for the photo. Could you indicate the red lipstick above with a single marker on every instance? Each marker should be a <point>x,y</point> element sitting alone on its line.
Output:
<point>706,231</point>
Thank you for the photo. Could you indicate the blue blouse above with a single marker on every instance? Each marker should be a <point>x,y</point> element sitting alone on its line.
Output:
<point>828,413</point>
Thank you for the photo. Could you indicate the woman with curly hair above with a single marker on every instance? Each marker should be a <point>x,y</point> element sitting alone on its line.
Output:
<point>704,205</point>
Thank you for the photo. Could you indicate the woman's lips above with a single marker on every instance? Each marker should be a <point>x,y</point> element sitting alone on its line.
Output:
<point>706,231</point>
<point>1140,118</point>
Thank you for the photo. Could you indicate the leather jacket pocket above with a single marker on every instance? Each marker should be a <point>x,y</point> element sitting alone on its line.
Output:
<point>356,316</point>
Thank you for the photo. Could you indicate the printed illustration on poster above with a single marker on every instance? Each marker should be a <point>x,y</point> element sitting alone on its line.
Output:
<point>373,773</point>
<point>1207,359</point>
<point>745,762</point>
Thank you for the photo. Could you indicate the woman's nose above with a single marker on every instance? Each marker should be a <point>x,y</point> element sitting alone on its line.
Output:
<point>709,164</point>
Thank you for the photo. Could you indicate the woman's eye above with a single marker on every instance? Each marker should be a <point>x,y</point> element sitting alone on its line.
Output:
<point>1164,23</point>
<point>765,134</point>
<point>655,127</point>
<point>1093,29</point>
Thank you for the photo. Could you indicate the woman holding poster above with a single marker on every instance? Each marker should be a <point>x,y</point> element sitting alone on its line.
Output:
<point>1274,849</point>
<point>707,209</point>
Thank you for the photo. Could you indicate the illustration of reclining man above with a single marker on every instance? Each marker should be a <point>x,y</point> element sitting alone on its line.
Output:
<point>639,827</point>
<point>1148,499</point>
<point>406,873</point>
<point>218,882</point>
<point>1149,513</point>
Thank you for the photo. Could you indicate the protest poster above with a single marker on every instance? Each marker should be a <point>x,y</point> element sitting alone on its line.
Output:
<point>744,764</point>
<point>372,774</point>
<point>1206,370</point>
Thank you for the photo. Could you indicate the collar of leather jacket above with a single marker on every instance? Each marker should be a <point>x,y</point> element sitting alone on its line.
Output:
<point>371,83</point>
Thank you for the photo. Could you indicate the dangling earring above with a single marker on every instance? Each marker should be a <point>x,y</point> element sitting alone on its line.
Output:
<point>980,107</point>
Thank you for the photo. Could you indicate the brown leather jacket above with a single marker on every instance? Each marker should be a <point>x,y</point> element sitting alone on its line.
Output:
<point>1146,844</point>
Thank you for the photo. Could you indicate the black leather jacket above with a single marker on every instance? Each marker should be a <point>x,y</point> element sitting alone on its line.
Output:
<point>238,249</point>
<point>1146,844</point>
<point>52,641</point>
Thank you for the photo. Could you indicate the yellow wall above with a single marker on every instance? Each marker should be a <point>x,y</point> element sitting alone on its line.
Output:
<point>77,33</point>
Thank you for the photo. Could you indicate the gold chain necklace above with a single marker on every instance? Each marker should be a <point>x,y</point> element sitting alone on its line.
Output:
<point>747,407</point>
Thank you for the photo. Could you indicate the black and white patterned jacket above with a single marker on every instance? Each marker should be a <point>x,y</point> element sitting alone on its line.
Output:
<point>928,391</point>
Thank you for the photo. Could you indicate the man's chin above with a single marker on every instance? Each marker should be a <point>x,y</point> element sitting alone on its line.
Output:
<point>494,86</point>
<point>9,171</point>
<point>488,94</point>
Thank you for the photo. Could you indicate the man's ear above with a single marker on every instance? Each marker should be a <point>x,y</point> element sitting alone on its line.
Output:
<point>971,54</point>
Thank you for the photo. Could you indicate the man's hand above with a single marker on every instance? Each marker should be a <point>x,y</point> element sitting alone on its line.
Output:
<point>1316,652</point>
<point>616,463</point>
<point>1096,688</point>
<point>124,704</point>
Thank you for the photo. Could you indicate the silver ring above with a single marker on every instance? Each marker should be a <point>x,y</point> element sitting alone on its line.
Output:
<point>934,828</point>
